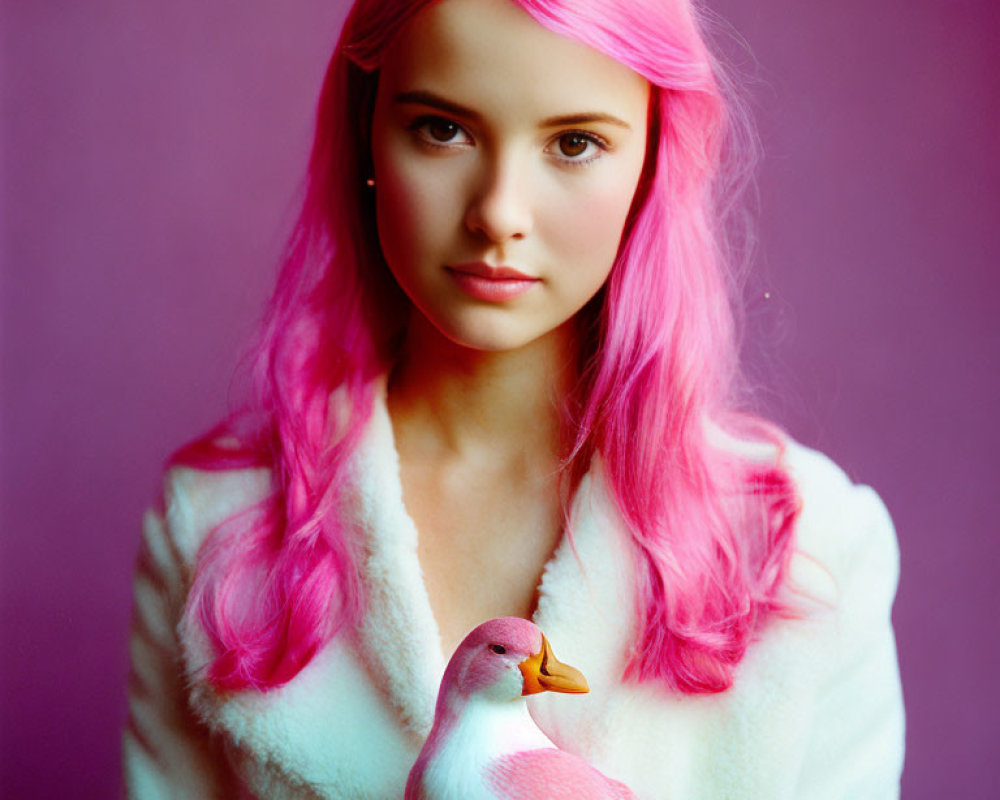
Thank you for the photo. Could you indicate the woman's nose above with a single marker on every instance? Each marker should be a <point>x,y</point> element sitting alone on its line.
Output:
<point>500,209</point>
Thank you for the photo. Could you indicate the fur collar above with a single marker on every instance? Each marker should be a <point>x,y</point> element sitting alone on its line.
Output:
<point>387,672</point>
<point>575,607</point>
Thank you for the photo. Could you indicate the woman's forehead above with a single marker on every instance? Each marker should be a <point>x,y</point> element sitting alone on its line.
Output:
<point>483,52</point>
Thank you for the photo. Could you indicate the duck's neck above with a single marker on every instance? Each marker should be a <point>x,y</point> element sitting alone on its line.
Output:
<point>483,726</point>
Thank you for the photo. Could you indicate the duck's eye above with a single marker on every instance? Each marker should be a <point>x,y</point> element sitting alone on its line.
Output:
<point>499,649</point>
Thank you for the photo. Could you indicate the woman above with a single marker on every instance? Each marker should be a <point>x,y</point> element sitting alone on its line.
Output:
<point>502,321</point>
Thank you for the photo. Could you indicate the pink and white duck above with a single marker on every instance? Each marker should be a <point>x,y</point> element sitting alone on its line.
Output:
<point>484,744</point>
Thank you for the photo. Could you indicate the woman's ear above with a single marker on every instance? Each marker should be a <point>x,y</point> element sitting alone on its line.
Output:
<point>362,91</point>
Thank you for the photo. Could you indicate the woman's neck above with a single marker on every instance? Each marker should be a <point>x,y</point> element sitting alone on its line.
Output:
<point>450,401</point>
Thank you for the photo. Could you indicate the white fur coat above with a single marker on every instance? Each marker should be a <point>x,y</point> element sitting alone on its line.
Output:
<point>815,712</point>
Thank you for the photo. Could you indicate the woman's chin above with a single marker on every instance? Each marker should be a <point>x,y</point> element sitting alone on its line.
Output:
<point>499,339</point>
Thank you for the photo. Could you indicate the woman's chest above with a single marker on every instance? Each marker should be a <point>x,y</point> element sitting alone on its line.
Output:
<point>483,541</point>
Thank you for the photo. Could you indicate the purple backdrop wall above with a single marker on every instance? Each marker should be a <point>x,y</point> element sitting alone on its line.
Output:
<point>151,154</point>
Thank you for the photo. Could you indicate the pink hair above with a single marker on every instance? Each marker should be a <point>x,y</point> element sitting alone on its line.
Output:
<point>712,532</point>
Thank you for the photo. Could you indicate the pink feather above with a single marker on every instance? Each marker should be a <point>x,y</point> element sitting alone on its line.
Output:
<point>553,775</point>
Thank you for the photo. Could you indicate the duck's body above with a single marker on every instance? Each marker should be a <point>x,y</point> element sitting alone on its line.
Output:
<point>484,744</point>
<point>458,758</point>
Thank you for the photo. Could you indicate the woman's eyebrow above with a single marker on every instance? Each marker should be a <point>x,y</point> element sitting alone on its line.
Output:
<point>425,98</point>
<point>583,118</point>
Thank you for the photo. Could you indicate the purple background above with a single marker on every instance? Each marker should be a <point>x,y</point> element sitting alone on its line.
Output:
<point>151,155</point>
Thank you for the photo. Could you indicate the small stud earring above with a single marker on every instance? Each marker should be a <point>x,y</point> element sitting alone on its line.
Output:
<point>370,182</point>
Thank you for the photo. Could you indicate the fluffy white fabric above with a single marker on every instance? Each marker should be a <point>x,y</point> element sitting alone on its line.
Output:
<point>816,711</point>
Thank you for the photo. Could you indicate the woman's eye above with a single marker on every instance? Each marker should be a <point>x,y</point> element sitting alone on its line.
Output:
<point>578,147</point>
<point>573,144</point>
<point>443,130</point>
<point>438,130</point>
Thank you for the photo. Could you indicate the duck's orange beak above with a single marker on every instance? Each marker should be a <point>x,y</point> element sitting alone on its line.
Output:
<point>543,672</point>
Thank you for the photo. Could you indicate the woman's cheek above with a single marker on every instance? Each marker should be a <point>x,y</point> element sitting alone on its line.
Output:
<point>399,212</point>
<point>591,222</point>
<point>417,203</point>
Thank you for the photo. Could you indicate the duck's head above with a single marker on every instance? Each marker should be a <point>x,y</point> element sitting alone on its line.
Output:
<point>507,658</point>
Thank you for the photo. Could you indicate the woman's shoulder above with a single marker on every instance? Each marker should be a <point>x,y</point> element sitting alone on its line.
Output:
<point>844,525</point>
<point>846,558</point>
<point>842,529</point>
<point>195,501</point>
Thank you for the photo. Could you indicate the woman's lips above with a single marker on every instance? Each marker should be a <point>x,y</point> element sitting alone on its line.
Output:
<point>492,284</point>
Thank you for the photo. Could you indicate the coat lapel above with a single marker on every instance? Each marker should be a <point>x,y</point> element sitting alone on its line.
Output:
<point>399,637</point>
<point>586,608</point>
<point>585,604</point>
<point>387,673</point>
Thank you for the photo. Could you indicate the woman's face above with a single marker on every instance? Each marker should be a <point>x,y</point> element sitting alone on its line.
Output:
<point>506,158</point>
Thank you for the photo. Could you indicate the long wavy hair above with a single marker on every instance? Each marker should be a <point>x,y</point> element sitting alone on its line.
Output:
<point>712,532</point>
